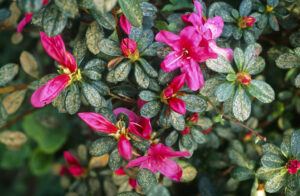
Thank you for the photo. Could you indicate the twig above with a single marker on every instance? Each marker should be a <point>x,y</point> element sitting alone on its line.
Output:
<point>123,98</point>
<point>13,88</point>
<point>118,28</point>
<point>18,118</point>
<point>235,121</point>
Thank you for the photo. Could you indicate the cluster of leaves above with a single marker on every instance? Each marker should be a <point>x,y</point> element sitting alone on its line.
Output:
<point>236,97</point>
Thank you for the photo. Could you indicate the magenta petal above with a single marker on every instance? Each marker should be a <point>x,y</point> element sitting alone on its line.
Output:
<point>169,38</point>
<point>172,61</point>
<point>124,147</point>
<point>128,46</point>
<point>170,169</point>
<point>71,159</point>
<point>131,115</point>
<point>75,170</point>
<point>198,6</point>
<point>169,91</point>
<point>132,182</point>
<point>125,24</point>
<point>140,103</point>
<point>194,76</point>
<point>24,21</point>
<point>146,124</point>
<point>120,171</point>
<point>215,25</point>
<point>177,105</point>
<point>178,82</point>
<point>48,92</point>
<point>98,122</point>
<point>226,52</point>
<point>137,161</point>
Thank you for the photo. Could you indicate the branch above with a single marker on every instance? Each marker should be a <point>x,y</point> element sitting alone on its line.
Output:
<point>224,116</point>
<point>123,98</point>
<point>118,28</point>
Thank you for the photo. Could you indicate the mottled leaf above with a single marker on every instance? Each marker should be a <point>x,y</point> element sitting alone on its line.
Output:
<point>261,90</point>
<point>132,11</point>
<point>29,64</point>
<point>8,72</point>
<point>241,106</point>
<point>102,146</point>
<point>194,103</point>
<point>13,101</point>
<point>93,36</point>
<point>220,65</point>
<point>150,109</point>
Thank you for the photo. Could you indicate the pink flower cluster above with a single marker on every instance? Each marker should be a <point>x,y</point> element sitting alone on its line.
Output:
<point>73,166</point>
<point>293,166</point>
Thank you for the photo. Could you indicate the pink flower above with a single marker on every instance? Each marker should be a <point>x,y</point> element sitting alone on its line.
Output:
<point>55,48</point>
<point>129,48</point>
<point>193,118</point>
<point>246,21</point>
<point>140,103</point>
<point>188,50</point>
<point>170,95</point>
<point>139,126</point>
<point>293,166</point>
<point>73,166</point>
<point>186,130</point>
<point>125,24</point>
<point>131,181</point>
<point>208,30</point>
<point>158,159</point>
<point>27,19</point>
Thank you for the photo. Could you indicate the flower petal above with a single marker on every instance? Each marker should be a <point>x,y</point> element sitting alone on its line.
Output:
<point>140,103</point>
<point>226,52</point>
<point>172,61</point>
<point>24,21</point>
<point>76,170</point>
<point>178,82</point>
<point>124,147</point>
<point>132,182</point>
<point>177,105</point>
<point>120,172</point>
<point>125,24</point>
<point>194,76</point>
<point>131,115</point>
<point>128,46</point>
<point>170,169</point>
<point>71,159</point>
<point>137,161</point>
<point>55,48</point>
<point>169,38</point>
<point>98,122</point>
<point>215,26</point>
<point>48,92</point>
<point>146,125</point>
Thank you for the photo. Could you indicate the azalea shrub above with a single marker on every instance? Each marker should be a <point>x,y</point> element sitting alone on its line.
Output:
<point>150,97</point>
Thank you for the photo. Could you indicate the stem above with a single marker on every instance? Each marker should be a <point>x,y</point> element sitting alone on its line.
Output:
<point>13,88</point>
<point>118,28</point>
<point>123,98</point>
<point>18,118</point>
<point>224,116</point>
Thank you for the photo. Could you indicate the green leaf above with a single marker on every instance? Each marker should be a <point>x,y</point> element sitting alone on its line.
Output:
<point>146,179</point>
<point>269,148</point>
<point>288,61</point>
<point>245,7</point>
<point>92,95</point>
<point>122,71</point>
<point>272,3</point>
<point>242,173</point>
<point>92,74</point>
<point>96,64</point>
<point>68,7</point>
<point>148,95</point>
<point>241,106</point>
<point>276,181</point>
<point>13,101</point>
<point>210,86</point>
<point>148,68</point>
<point>40,163</point>
<point>224,91</point>
<point>158,190</point>
<point>102,146</point>
<point>132,11</point>
<point>249,37</point>
<point>29,64</point>
<point>110,47</point>
<point>226,15</point>
<point>198,136</point>
<point>261,90</point>
<point>150,109</point>
<point>239,58</point>
<point>172,138</point>
<point>237,33</point>
<point>4,14</point>
<point>139,143</point>
<point>11,159</point>
<point>273,22</point>
<point>115,160</point>
<point>30,6</point>
<point>106,20</point>
<point>101,87</point>
<point>152,49</point>
<point>285,149</point>
<point>264,173</point>
<point>272,161</point>
<point>165,77</point>
<point>187,141</point>
<point>49,139</point>
<point>53,21</point>
<point>237,158</point>
<point>73,100</point>
<point>141,77</point>
<point>297,81</point>
<point>220,65</point>
<point>257,67</point>
<point>93,36</point>
<point>251,54</point>
<point>146,39</point>
<point>129,193</point>
<point>8,72</point>
<point>177,120</point>
<point>295,143</point>
<point>194,103</point>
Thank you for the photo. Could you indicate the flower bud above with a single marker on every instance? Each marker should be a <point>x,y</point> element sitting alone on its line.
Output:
<point>129,49</point>
<point>194,118</point>
<point>243,78</point>
<point>186,130</point>
<point>293,166</point>
<point>246,21</point>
